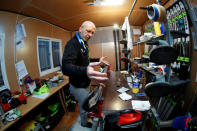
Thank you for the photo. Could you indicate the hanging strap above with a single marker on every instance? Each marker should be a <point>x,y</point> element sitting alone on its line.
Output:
<point>82,43</point>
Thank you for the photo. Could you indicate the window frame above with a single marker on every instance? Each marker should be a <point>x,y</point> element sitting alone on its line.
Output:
<point>2,62</point>
<point>48,71</point>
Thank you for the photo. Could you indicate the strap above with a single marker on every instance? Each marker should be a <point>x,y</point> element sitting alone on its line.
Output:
<point>82,42</point>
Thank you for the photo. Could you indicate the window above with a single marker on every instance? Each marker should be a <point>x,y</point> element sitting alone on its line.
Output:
<point>49,55</point>
<point>55,53</point>
<point>3,77</point>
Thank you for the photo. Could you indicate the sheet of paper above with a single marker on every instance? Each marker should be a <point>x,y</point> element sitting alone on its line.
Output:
<point>21,69</point>
<point>20,32</point>
<point>129,79</point>
<point>123,89</point>
<point>136,31</point>
<point>20,44</point>
<point>42,96</point>
<point>32,86</point>
<point>124,96</point>
<point>140,105</point>
<point>130,85</point>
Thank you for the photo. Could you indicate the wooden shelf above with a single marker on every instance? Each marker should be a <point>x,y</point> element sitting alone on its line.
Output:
<point>33,102</point>
<point>177,34</point>
<point>161,37</point>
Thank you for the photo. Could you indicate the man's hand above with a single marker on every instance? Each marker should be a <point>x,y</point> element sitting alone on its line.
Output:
<point>101,61</point>
<point>95,75</point>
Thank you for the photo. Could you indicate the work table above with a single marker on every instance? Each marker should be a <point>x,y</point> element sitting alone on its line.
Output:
<point>33,102</point>
<point>112,101</point>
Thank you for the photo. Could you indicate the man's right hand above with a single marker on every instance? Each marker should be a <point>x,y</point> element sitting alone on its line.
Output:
<point>96,76</point>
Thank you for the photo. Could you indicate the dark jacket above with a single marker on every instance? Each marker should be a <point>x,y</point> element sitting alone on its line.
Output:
<point>74,63</point>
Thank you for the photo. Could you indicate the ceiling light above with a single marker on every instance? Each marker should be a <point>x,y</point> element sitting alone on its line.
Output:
<point>112,2</point>
<point>107,2</point>
<point>116,26</point>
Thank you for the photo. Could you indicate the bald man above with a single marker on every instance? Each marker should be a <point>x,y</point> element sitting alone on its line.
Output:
<point>76,64</point>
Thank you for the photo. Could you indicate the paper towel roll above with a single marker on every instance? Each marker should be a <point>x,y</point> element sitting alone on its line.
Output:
<point>157,13</point>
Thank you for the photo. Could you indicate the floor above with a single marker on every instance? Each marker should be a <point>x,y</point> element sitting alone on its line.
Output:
<point>67,121</point>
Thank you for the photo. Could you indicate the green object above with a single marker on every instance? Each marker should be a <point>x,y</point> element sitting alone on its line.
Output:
<point>146,53</point>
<point>43,89</point>
<point>187,59</point>
<point>178,17</point>
<point>40,118</point>
<point>178,58</point>
<point>171,100</point>
<point>182,58</point>
<point>67,102</point>
<point>54,113</point>
<point>53,107</point>
<point>150,30</point>
<point>17,112</point>
<point>155,124</point>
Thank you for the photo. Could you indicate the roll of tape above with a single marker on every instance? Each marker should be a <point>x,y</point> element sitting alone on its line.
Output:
<point>157,13</point>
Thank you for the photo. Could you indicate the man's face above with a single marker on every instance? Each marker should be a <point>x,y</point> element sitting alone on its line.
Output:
<point>87,31</point>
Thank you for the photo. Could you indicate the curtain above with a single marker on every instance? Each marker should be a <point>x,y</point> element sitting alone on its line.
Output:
<point>56,53</point>
<point>44,55</point>
<point>1,76</point>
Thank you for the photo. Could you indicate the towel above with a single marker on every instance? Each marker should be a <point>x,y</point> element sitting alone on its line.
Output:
<point>124,96</point>
<point>122,90</point>
<point>126,26</point>
<point>140,105</point>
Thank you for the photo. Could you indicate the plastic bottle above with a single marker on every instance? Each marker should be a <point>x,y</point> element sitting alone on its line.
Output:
<point>135,87</point>
<point>136,83</point>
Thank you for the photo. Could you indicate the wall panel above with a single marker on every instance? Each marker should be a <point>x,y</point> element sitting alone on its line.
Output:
<point>7,26</point>
<point>33,29</point>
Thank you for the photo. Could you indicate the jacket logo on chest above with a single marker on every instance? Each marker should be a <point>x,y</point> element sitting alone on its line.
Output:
<point>82,51</point>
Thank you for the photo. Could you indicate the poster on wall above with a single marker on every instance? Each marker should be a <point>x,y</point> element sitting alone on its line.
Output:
<point>20,44</point>
<point>20,35</point>
<point>21,69</point>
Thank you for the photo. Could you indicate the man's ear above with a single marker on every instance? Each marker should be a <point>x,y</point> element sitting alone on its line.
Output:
<point>80,29</point>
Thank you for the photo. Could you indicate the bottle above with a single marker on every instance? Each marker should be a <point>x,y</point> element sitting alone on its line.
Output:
<point>157,28</point>
<point>136,86</point>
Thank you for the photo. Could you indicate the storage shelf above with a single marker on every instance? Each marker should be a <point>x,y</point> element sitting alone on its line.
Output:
<point>173,33</point>
<point>161,37</point>
<point>32,102</point>
<point>177,34</point>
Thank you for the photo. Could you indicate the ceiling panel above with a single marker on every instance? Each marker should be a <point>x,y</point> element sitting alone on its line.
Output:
<point>41,14</point>
<point>69,14</point>
<point>138,17</point>
<point>14,5</point>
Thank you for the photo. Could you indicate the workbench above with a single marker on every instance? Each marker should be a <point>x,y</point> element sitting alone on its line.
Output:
<point>112,101</point>
<point>33,102</point>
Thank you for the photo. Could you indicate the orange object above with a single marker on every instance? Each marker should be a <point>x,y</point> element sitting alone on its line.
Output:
<point>128,118</point>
